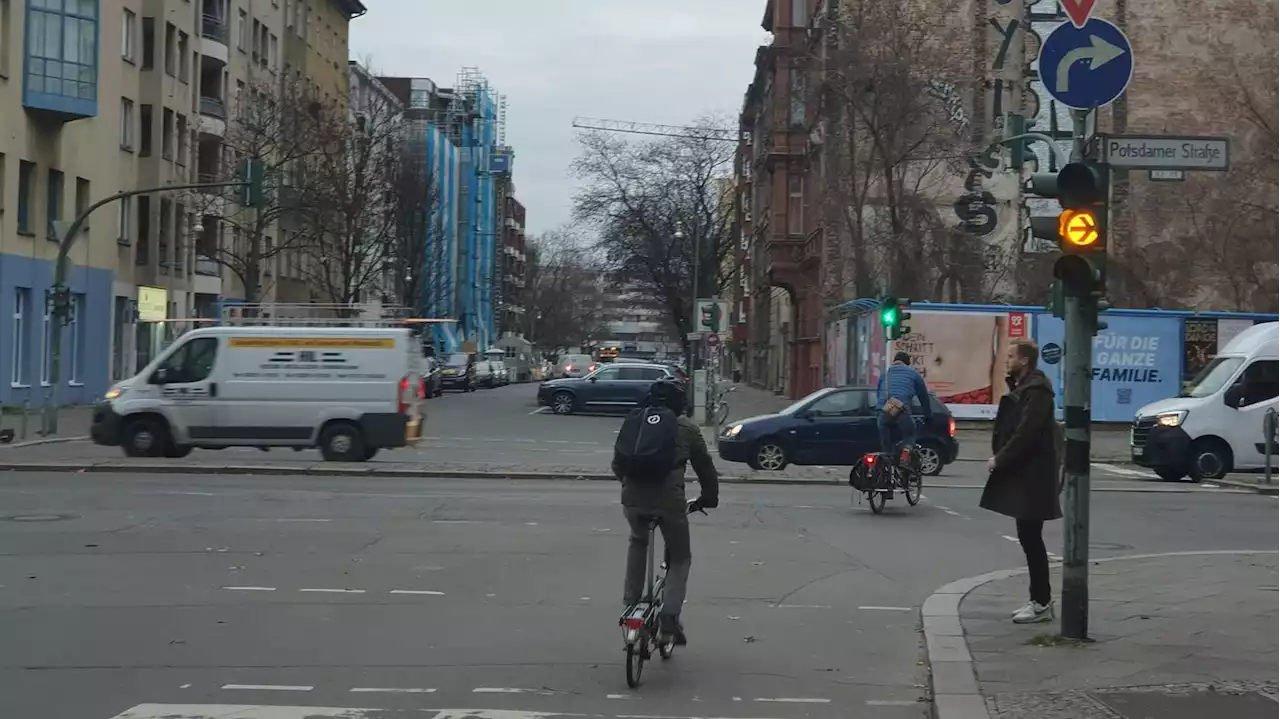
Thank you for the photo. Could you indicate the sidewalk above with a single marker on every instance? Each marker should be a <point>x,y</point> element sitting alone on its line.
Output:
<point>1176,636</point>
<point>1110,443</point>
<point>73,422</point>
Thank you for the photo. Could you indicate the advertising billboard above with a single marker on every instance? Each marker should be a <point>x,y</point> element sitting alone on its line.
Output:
<point>1136,361</point>
<point>961,356</point>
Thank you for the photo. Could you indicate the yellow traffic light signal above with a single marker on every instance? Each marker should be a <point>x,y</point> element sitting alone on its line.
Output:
<point>1079,231</point>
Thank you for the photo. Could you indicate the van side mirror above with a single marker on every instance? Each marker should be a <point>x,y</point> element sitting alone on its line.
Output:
<point>160,376</point>
<point>1234,396</point>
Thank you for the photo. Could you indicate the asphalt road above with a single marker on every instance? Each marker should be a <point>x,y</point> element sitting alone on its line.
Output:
<point>187,596</point>
<point>504,430</point>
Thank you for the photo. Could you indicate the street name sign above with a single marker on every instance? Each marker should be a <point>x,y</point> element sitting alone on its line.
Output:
<point>1166,152</point>
<point>1078,10</point>
<point>1086,67</point>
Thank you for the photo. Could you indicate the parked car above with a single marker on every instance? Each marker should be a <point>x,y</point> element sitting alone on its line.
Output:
<point>484,374</point>
<point>833,426</point>
<point>501,373</point>
<point>573,366</point>
<point>611,387</point>
<point>458,371</point>
<point>432,379</point>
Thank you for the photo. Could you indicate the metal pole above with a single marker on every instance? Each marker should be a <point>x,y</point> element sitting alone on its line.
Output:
<point>1077,408</point>
<point>49,420</point>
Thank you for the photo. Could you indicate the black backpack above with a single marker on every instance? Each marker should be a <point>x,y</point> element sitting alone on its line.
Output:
<point>646,444</point>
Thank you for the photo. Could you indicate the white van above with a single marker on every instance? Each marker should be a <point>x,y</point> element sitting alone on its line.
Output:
<point>1217,425</point>
<point>348,391</point>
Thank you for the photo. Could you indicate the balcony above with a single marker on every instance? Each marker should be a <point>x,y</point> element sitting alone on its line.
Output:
<point>213,39</point>
<point>208,266</point>
<point>213,116</point>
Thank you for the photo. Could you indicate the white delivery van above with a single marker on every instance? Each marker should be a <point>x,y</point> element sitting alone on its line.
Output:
<point>1216,426</point>
<point>347,391</point>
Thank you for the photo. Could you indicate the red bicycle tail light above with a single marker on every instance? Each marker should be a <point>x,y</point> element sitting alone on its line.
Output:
<point>951,426</point>
<point>870,459</point>
<point>633,623</point>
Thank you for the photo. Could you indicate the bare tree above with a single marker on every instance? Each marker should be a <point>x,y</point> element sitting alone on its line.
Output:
<point>349,207</point>
<point>565,301</point>
<point>890,150</point>
<point>271,129</point>
<point>652,203</point>
<point>417,250</point>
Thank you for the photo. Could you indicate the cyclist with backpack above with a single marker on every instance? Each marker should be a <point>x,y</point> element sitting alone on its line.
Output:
<point>654,444</point>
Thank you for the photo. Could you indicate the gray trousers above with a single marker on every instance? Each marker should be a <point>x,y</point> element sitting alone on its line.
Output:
<point>675,537</point>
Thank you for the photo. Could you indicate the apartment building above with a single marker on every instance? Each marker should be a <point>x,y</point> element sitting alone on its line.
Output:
<point>97,98</point>
<point>512,295</point>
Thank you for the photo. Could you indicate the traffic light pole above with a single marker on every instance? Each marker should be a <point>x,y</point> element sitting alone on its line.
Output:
<point>49,418</point>
<point>1077,403</point>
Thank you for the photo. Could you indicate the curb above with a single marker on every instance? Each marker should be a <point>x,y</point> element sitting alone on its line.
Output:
<point>953,681</point>
<point>37,442</point>
<point>1269,490</point>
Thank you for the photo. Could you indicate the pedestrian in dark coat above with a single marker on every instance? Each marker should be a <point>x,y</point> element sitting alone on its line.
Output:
<point>1023,482</point>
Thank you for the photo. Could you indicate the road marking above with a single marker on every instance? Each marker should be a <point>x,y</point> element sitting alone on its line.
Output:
<point>873,608</point>
<point>250,589</point>
<point>802,606</point>
<point>892,703</point>
<point>391,690</point>
<point>511,690</point>
<point>1124,471</point>
<point>537,411</point>
<point>458,521</point>
<point>268,687</point>
<point>334,591</point>
<point>185,686</point>
<point>795,700</point>
<point>1052,557</point>
<point>426,592</point>
<point>302,519</point>
<point>617,696</point>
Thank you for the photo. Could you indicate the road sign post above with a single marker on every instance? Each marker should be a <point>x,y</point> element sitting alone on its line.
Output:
<point>1086,67</point>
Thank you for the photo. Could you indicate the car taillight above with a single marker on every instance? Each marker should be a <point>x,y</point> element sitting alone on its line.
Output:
<point>951,426</point>
<point>422,388</point>
<point>402,402</point>
<point>592,367</point>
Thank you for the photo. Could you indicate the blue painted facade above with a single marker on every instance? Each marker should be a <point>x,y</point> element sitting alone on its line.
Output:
<point>439,294</point>
<point>60,57</point>
<point>86,345</point>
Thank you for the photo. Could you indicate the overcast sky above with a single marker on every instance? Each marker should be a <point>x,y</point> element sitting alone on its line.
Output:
<point>664,61</point>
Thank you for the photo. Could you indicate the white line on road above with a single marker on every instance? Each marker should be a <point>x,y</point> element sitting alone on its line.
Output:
<point>268,687</point>
<point>510,690</point>
<point>892,703</point>
<point>802,606</point>
<point>185,686</point>
<point>537,411</point>
<point>391,690</point>
<point>426,592</point>
<point>1052,557</point>
<point>873,608</point>
<point>795,700</point>
<point>250,589</point>
<point>301,519</point>
<point>334,591</point>
<point>458,521</point>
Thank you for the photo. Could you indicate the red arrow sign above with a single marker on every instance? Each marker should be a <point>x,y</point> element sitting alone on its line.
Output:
<point>1078,10</point>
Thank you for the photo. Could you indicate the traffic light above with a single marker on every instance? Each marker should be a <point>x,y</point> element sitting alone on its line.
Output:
<point>1080,231</point>
<point>893,312</point>
<point>59,301</point>
<point>709,318</point>
<point>251,172</point>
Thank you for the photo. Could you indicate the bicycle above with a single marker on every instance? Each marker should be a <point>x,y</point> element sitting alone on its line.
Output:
<point>876,478</point>
<point>640,621</point>
<point>721,414</point>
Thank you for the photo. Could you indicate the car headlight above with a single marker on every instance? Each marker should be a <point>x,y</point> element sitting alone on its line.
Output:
<point>733,431</point>
<point>111,394</point>
<point>1171,419</point>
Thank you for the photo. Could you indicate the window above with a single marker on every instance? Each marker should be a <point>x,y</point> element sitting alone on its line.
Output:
<point>126,124</point>
<point>797,110</point>
<point>4,37</point>
<point>182,140</point>
<point>184,57</point>
<point>608,374</point>
<point>82,198</point>
<point>128,39</point>
<point>26,178</point>
<point>2,169</point>
<point>143,256</point>
<point>839,404</point>
<point>799,11</point>
<point>273,52</point>
<point>242,31</point>
<point>61,48</point>
<point>75,337</point>
<point>170,45</point>
<point>148,43</point>
<point>1259,382</point>
<point>144,117</point>
<point>166,134</point>
<point>18,357</point>
<point>53,206</point>
<point>257,31</point>
<point>192,362</point>
<point>795,204</point>
<point>46,346</point>
<point>124,232</point>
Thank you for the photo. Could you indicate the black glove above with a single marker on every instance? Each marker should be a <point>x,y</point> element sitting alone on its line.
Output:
<point>701,504</point>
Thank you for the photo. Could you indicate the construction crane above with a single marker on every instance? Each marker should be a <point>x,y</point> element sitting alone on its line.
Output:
<point>648,128</point>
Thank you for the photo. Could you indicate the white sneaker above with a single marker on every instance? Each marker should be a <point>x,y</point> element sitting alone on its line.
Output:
<point>1034,613</point>
<point>1020,609</point>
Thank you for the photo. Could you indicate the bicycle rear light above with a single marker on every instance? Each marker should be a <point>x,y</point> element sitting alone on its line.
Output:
<point>870,459</point>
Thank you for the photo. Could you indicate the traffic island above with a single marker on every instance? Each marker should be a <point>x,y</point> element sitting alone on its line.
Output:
<point>1178,636</point>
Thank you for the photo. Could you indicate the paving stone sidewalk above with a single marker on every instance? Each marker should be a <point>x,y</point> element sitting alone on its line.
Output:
<point>73,422</point>
<point>1175,637</point>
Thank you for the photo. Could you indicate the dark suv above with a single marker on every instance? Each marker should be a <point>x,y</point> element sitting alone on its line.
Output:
<point>833,426</point>
<point>458,371</point>
<point>611,387</point>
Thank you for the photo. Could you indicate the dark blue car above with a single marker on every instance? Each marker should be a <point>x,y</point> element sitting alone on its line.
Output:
<point>614,386</point>
<point>833,426</point>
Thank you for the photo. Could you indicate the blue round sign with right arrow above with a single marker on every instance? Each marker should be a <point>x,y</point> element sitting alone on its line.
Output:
<point>1086,67</point>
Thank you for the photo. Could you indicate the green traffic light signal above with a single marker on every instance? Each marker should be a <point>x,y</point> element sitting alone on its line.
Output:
<point>889,316</point>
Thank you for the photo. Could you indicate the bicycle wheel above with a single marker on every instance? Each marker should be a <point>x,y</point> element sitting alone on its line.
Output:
<point>912,486</point>
<point>635,663</point>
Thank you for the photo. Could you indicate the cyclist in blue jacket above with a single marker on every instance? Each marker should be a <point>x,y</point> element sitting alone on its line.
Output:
<point>903,384</point>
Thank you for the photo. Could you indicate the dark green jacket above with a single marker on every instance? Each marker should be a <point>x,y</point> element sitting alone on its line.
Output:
<point>669,496</point>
